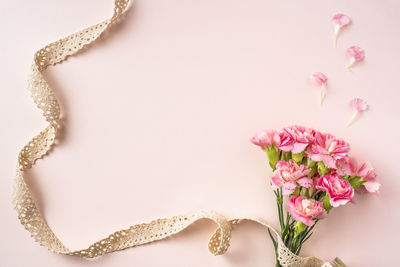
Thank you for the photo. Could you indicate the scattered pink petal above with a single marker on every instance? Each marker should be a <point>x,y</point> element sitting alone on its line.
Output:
<point>358,105</point>
<point>339,21</point>
<point>320,79</point>
<point>355,54</point>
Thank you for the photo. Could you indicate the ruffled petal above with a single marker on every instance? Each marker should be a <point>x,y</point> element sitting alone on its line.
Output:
<point>288,188</point>
<point>305,182</point>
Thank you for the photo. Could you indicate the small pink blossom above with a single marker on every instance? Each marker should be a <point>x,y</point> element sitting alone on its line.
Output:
<point>355,54</point>
<point>305,210</point>
<point>358,105</point>
<point>328,149</point>
<point>339,21</point>
<point>295,139</point>
<point>320,79</point>
<point>365,171</point>
<point>346,166</point>
<point>340,191</point>
<point>287,141</point>
<point>266,139</point>
<point>289,175</point>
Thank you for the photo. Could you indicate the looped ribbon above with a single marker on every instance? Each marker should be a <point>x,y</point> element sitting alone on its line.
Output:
<point>136,235</point>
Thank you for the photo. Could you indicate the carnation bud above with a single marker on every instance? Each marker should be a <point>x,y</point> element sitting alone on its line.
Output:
<point>299,228</point>
<point>296,191</point>
<point>326,202</point>
<point>313,167</point>
<point>273,156</point>
<point>298,158</point>
<point>322,168</point>
<point>304,192</point>
<point>311,163</point>
<point>285,156</point>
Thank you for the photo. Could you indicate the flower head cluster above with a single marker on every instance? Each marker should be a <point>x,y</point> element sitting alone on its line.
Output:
<point>314,169</point>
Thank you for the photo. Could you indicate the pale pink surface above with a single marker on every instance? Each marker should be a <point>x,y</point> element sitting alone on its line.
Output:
<point>158,118</point>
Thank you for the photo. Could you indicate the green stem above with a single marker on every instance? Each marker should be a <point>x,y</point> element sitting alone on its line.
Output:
<point>273,239</point>
<point>279,201</point>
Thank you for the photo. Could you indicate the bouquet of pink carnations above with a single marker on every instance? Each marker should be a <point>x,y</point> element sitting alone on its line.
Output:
<point>314,171</point>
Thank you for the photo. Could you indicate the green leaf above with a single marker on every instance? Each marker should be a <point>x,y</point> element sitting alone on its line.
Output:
<point>356,182</point>
<point>272,238</point>
<point>327,204</point>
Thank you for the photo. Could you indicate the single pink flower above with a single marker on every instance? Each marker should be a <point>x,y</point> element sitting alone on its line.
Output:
<point>340,191</point>
<point>265,139</point>
<point>339,21</point>
<point>367,173</point>
<point>305,210</point>
<point>358,105</point>
<point>355,54</point>
<point>319,79</point>
<point>295,139</point>
<point>289,175</point>
<point>328,149</point>
<point>287,141</point>
<point>346,166</point>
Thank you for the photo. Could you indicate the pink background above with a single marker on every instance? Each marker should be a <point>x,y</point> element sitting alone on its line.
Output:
<point>159,113</point>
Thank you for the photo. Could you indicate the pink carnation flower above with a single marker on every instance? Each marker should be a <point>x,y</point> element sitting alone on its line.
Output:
<point>305,210</point>
<point>365,171</point>
<point>266,139</point>
<point>295,139</point>
<point>328,149</point>
<point>358,105</point>
<point>288,175</point>
<point>319,79</point>
<point>355,54</point>
<point>340,191</point>
<point>339,21</point>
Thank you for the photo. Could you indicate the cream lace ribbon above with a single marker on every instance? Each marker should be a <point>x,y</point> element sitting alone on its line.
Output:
<point>136,235</point>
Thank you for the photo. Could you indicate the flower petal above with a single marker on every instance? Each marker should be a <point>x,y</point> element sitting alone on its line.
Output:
<point>305,182</point>
<point>288,188</point>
